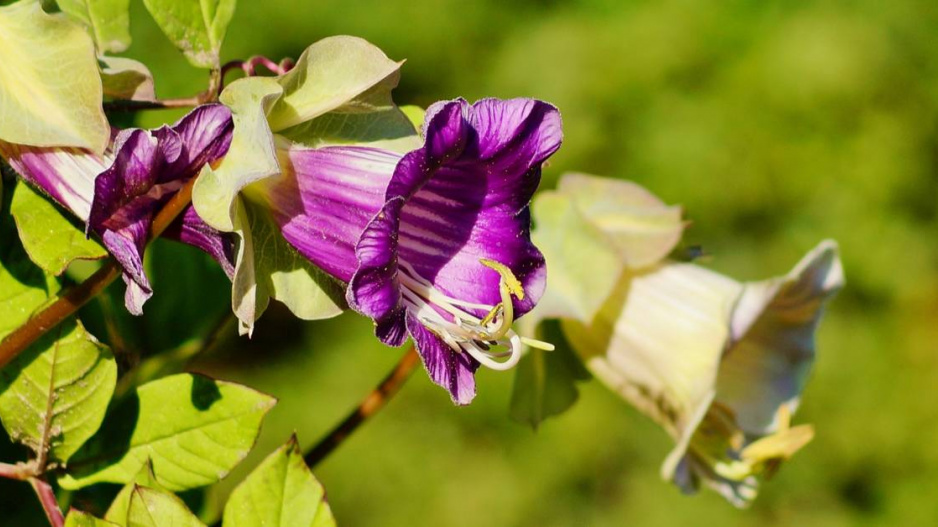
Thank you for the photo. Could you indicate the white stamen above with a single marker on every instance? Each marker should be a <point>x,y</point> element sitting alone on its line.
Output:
<point>483,339</point>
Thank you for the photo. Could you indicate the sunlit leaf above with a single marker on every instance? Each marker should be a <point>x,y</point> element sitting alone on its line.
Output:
<point>125,78</point>
<point>50,91</point>
<point>107,20</point>
<point>196,27</point>
<point>117,512</point>
<point>49,237</point>
<point>83,519</point>
<point>53,396</point>
<point>281,492</point>
<point>415,115</point>
<point>332,73</point>
<point>157,508</point>
<point>193,429</point>
<point>24,287</point>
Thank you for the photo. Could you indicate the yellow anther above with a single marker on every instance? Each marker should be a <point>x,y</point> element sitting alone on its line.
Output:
<point>508,278</point>
<point>780,445</point>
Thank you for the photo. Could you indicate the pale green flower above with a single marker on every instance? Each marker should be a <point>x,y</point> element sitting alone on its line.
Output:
<point>719,364</point>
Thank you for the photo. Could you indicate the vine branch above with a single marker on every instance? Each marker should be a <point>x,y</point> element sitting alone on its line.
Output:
<point>375,401</point>
<point>72,300</point>
<point>20,471</point>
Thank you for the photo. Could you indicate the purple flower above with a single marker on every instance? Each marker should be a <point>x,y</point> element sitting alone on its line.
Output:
<point>434,243</point>
<point>118,193</point>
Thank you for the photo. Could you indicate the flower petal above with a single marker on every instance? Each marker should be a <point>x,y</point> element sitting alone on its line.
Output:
<point>658,341</point>
<point>374,290</point>
<point>191,230</point>
<point>147,170</point>
<point>447,368</point>
<point>65,174</point>
<point>324,199</point>
<point>460,199</point>
<point>772,348</point>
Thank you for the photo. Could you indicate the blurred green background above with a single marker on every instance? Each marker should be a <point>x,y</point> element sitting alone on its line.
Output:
<point>776,124</point>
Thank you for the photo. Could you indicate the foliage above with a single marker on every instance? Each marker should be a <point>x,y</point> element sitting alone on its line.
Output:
<point>773,125</point>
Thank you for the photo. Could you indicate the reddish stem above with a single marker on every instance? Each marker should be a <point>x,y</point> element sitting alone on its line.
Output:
<point>49,504</point>
<point>17,472</point>
<point>67,304</point>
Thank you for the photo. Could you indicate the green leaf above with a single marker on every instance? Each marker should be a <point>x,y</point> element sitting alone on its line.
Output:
<point>582,267</point>
<point>107,20</point>
<point>124,78</point>
<point>157,508</point>
<point>50,91</point>
<point>193,429</point>
<point>641,227</point>
<point>281,492</point>
<point>24,288</point>
<point>545,382</point>
<point>119,508</point>
<point>54,395</point>
<point>83,519</point>
<point>333,73</point>
<point>49,237</point>
<point>196,27</point>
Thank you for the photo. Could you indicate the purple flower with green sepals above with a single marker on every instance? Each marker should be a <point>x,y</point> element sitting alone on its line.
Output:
<point>435,243</point>
<point>118,193</point>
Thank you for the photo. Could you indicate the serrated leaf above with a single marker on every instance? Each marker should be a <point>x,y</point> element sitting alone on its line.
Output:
<point>53,396</point>
<point>545,382</point>
<point>333,73</point>
<point>196,27</point>
<point>108,21</point>
<point>156,508</point>
<point>641,227</point>
<point>193,429</point>
<point>124,78</point>
<point>83,519</point>
<point>50,91</point>
<point>119,508</point>
<point>51,240</point>
<point>281,492</point>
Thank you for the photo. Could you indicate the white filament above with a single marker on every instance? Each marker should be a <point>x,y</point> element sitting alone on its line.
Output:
<point>466,332</point>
